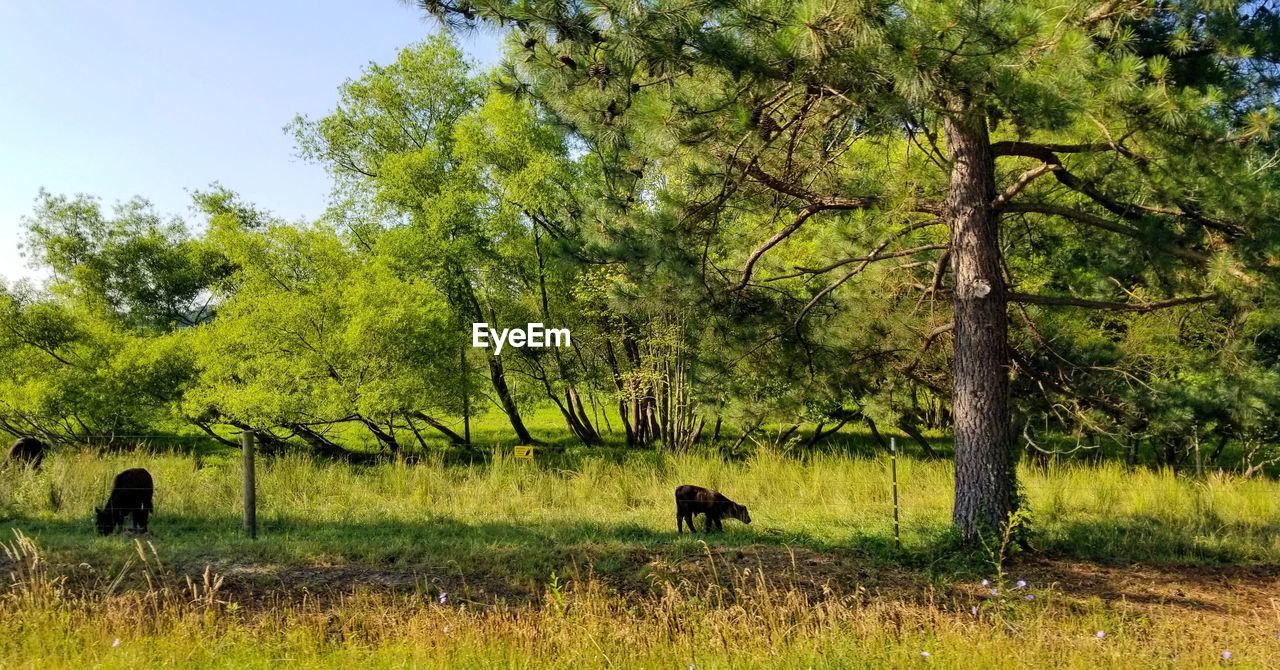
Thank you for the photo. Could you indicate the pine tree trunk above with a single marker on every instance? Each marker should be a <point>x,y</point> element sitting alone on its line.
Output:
<point>985,475</point>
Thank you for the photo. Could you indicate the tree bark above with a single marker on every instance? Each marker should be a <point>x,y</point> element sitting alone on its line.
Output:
<point>984,457</point>
<point>498,375</point>
<point>444,430</point>
<point>914,433</point>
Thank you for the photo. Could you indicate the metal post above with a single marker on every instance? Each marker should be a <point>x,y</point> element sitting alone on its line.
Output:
<point>466,395</point>
<point>893,467</point>
<point>250,486</point>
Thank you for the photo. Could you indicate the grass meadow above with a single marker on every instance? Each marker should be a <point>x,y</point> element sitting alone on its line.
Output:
<point>574,561</point>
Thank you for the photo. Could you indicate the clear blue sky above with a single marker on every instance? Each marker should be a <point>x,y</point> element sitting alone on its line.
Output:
<point>118,98</point>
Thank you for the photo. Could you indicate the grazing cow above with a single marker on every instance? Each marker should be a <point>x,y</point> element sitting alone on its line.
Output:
<point>130,495</point>
<point>27,451</point>
<point>713,505</point>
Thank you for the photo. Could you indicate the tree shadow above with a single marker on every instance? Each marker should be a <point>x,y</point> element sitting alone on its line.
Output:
<point>503,558</point>
<point>1152,540</point>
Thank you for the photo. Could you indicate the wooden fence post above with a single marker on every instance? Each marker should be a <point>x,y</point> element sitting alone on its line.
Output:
<point>250,486</point>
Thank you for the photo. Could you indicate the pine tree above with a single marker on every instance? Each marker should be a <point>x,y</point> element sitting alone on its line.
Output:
<point>1145,123</point>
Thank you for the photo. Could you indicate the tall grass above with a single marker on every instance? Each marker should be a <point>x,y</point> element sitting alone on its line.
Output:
<point>505,527</point>
<point>529,514</point>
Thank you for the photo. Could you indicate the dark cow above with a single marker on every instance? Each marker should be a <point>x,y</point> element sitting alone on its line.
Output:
<point>130,495</point>
<point>691,500</point>
<point>27,451</point>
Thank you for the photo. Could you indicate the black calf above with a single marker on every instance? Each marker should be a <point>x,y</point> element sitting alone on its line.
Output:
<point>130,495</point>
<point>27,451</point>
<point>713,505</point>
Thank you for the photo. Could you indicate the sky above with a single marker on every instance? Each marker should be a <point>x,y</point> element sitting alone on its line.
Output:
<point>155,98</point>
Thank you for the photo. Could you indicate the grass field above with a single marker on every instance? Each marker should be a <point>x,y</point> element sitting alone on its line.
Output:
<point>573,561</point>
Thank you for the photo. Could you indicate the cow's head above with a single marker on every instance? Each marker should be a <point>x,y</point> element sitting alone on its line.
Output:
<point>104,521</point>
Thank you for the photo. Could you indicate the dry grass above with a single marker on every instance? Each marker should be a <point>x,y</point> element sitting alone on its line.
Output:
<point>744,619</point>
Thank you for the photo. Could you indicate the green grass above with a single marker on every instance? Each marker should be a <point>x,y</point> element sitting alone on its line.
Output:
<point>494,532</point>
<point>430,512</point>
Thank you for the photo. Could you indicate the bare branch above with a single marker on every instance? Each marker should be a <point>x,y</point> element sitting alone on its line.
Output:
<point>1036,149</point>
<point>1023,181</point>
<point>849,275</point>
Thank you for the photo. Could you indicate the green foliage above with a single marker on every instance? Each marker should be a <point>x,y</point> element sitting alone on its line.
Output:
<point>146,269</point>
<point>314,333</point>
<point>618,174</point>
<point>780,168</point>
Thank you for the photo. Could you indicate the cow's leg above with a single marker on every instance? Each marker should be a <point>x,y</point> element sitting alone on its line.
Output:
<point>679,523</point>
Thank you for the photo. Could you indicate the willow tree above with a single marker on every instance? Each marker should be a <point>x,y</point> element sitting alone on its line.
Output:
<point>1145,122</point>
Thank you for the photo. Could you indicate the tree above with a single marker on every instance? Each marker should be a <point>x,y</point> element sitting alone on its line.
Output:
<point>143,267</point>
<point>1144,122</point>
<point>469,185</point>
<point>73,373</point>
<point>312,336</point>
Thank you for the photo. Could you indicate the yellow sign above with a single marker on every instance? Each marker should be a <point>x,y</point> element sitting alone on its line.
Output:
<point>525,453</point>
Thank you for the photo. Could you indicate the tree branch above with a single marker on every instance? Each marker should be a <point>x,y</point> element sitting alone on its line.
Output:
<point>1023,181</point>
<point>753,170</point>
<point>773,241</point>
<point>1104,224</point>
<point>928,342</point>
<point>1125,210</point>
<point>1036,149</point>
<point>864,259</point>
<point>1066,301</point>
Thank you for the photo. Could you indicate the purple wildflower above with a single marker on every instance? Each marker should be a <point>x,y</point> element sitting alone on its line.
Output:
<point>444,597</point>
<point>1100,634</point>
<point>1030,596</point>
<point>925,654</point>
<point>974,610</point>
<point>1022,584</point>
<point>1226,655</point>
<point>995,592</point>
<point>986,582</point>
